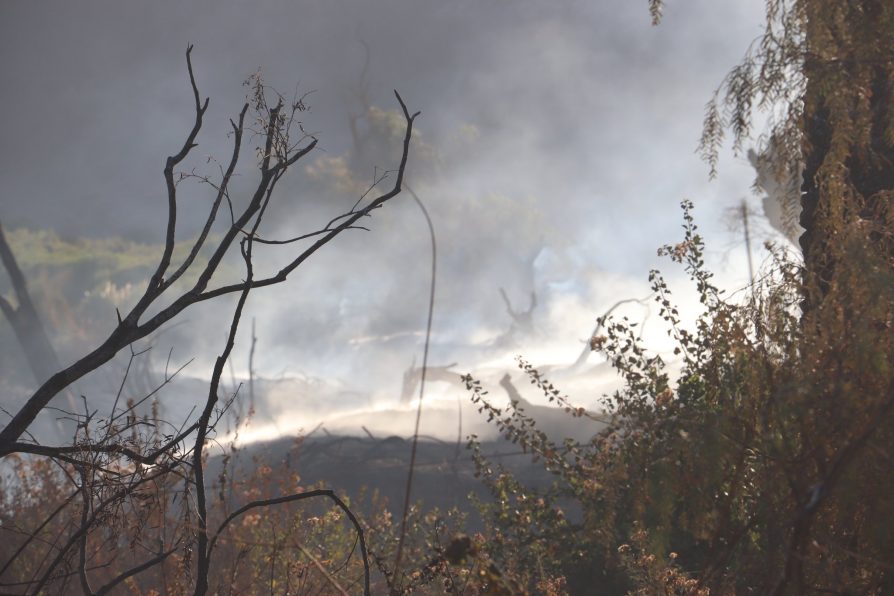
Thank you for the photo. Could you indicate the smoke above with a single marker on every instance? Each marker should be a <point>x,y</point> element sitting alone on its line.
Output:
<point>554,146</point>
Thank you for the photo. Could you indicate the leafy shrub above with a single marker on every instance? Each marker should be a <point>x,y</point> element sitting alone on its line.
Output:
<point>764,467</point>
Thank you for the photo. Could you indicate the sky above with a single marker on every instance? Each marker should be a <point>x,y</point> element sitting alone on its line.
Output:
<point>555,144</point>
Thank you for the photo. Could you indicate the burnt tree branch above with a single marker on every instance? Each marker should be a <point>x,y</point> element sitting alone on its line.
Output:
<point>130,329</point>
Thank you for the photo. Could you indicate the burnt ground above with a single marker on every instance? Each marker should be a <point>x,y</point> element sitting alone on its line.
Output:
<point>355,466</point>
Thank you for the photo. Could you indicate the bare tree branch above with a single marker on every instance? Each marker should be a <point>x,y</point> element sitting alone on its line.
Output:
<point>33,535</point>
<point>222,190</point>
<point>130,329</point>
<point>197,463</point>
<point>415,442</point>
<point>155,284</point>
<point>136,570</point>
<point>115,464</point>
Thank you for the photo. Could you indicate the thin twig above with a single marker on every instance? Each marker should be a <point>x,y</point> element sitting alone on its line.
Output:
<point>431,309</point>
<point>328,576</point>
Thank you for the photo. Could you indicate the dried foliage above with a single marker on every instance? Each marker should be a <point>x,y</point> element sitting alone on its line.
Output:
<point>762,468</point>
<point>655,9</point>
<point>770,78</point>
<point>296,547</point>
<point>822,72</point>
<point>848,126</point>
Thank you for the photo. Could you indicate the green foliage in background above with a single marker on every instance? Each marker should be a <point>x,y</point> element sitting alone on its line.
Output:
<point>78,283</point>
<point>114,259</point>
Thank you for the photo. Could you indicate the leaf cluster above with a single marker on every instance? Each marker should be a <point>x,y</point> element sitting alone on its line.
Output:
<point>760,467</point>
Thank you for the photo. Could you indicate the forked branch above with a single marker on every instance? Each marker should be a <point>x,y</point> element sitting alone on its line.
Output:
<point>131,329</point>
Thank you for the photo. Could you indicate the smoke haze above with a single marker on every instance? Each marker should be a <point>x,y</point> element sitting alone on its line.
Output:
<point>555,144</point>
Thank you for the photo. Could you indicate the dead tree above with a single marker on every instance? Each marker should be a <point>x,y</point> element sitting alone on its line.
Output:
<point>24,320</point>
<point>522,321</point>
<point>114,459</point>
<point>413,376</point>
